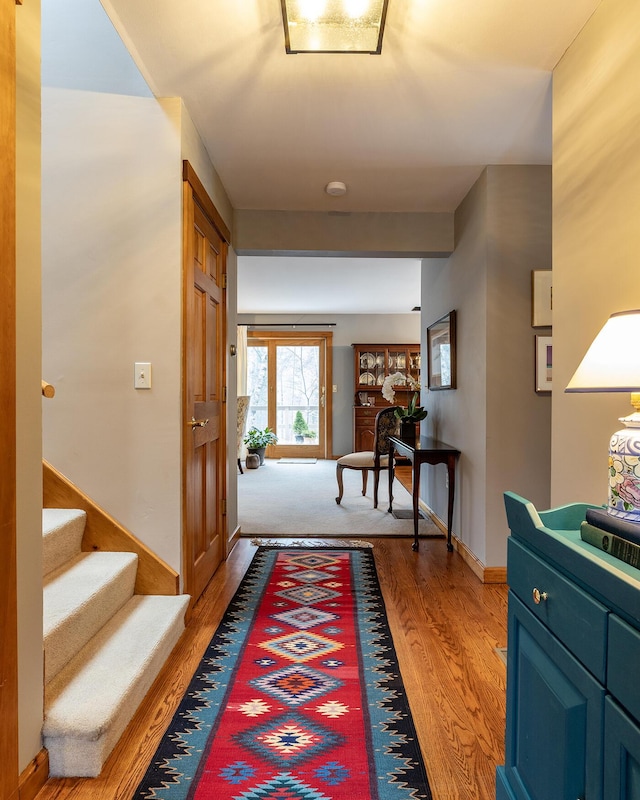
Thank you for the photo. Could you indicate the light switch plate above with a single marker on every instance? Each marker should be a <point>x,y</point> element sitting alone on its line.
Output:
<point>142,375</point>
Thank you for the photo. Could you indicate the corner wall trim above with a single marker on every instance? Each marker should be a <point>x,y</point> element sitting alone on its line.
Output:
<point>485,574</point>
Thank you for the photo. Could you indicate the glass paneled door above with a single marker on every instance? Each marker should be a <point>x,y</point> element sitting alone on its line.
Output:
<point>287,380</point>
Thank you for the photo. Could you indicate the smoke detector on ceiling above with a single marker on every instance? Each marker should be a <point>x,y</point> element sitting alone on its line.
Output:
<point>336,188</point>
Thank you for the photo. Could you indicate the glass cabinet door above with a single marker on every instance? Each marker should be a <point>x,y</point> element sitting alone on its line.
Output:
<point>371,368</point>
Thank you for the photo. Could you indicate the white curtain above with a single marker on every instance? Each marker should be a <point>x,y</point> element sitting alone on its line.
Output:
<point>241,365</point>
<point>241,359</point>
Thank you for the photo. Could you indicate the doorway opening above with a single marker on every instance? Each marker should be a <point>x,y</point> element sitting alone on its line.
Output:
<point>287,378</point>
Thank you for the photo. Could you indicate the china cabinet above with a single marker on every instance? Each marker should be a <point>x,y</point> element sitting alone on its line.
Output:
<point>573,704</point>
<point>372,364</point>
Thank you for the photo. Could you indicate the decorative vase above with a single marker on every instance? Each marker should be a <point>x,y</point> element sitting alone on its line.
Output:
<point>252,461</point>
<point>624,475</point>
<point>408,430</point>
<point>259,451</point>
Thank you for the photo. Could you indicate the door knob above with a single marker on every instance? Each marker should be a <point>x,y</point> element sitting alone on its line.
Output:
<point>198,423</point>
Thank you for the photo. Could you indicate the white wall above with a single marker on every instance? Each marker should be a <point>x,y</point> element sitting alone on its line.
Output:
<point>194,151</point>
<point>28,376</point>
<point>112,296</point>
<point>596,242</point>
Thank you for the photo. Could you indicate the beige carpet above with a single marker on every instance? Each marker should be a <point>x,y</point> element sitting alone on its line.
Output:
<point>299,500</point>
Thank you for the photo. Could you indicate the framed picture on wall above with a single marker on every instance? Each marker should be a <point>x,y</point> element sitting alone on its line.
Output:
<point>441,352</point>
<point>541,298</point>
<point>544,363</point>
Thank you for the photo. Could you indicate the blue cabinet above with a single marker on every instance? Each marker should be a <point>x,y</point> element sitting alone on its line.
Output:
<point>573,702</point>
<point>621,754</point>
<point>555,713</point>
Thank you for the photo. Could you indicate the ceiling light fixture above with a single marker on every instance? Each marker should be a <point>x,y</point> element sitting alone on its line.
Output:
<point>334,26</point>
<point>336,188</point>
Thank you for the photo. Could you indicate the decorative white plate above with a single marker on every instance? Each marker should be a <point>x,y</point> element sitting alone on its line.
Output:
<point>367,379</point>
<point>380,380</point>
<point>367,361</point>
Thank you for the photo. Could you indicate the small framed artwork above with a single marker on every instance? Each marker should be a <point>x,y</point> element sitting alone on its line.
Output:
<point>541,298</point>
<point>544,363</point>
<point>441,352</point>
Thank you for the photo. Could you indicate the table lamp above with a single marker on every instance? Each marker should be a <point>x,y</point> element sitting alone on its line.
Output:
<point>612,364</point>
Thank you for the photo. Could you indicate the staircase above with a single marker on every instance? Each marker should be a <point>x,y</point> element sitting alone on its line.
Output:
<point>103,645</point>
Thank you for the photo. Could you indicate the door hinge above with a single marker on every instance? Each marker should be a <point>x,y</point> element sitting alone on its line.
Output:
<point>224,507</point>
<point>224,280</point>
<point>224,394</point>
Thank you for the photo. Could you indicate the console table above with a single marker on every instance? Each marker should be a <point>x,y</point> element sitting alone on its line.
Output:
<point>424,450</point>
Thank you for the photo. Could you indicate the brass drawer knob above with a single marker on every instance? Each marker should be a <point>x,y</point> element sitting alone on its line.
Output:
<point>538,596</point>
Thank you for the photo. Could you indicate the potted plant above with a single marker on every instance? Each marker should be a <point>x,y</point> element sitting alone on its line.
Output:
<point>257,441</point>
<point>299,427</point>
<point>410,415</point>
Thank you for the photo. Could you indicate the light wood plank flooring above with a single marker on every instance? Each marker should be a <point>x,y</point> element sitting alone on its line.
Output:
<point>446,626</point>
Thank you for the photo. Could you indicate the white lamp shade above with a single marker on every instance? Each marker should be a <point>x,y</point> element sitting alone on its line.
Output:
<point>612,363</point>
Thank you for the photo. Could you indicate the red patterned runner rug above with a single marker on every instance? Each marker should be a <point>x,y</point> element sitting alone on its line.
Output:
<point>299,695</point>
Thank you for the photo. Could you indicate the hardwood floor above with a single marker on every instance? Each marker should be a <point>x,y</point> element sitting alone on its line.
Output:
<point>446,626</point>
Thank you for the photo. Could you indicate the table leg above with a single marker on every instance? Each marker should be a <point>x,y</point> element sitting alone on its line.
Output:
<point>391,476</point>
<point>415,476</point>
<point>451,471</point>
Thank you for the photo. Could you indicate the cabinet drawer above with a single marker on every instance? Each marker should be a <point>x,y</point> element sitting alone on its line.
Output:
<point>622,665</point>
<point>578,620</point>
<point>366,412</point>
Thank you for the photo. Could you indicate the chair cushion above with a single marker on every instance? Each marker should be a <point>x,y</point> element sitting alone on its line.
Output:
<point>363,460</point>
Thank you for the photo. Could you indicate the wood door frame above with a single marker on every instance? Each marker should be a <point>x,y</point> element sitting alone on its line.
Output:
<point>9,777</point>
<point>327,337</point>
<point>195,193</point>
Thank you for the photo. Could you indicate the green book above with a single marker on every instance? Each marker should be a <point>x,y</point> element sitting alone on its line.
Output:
<point>626,551</point>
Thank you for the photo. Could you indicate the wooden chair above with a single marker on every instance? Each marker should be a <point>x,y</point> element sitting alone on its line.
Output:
<point>376,460</point>
<point>243,412</point>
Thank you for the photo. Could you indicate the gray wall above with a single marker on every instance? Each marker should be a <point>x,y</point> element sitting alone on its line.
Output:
<point>495,417</point>
<point>349,329</point>
<point>342,233</point>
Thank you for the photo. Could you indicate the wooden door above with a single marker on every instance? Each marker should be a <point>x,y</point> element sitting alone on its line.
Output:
<point>288,376</point>
<point>204,429</point>
<point>8,590</point>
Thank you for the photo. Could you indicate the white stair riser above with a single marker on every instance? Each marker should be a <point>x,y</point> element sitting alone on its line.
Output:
<point>62,531</point>
<point>90,702</point>
<point>80,599</point>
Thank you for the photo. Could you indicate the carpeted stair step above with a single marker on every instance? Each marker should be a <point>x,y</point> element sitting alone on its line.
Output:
<point>92,699</point>
<point>62,530</point>
<point>79,598</point>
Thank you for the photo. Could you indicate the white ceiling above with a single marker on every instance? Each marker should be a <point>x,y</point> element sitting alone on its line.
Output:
<point>460,84</point>
<point>270,285</point>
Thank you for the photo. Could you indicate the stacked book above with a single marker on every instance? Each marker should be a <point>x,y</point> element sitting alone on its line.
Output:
<point>618,537</point>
